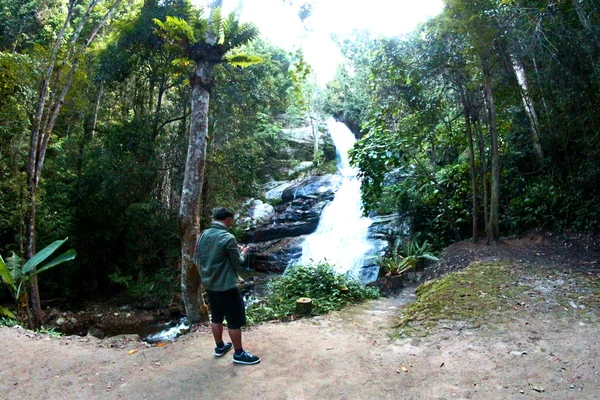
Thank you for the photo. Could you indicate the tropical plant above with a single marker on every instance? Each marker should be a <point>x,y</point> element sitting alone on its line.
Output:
<point>17,278</point>
<point>407,255</point>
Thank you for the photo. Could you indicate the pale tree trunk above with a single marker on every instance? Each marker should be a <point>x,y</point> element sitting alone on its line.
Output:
<point>534,126</point>
<point>493,233</point>
<point>189,211</point>
<point>544,103</point>
<point>469,132</point>
<point>46,113</point>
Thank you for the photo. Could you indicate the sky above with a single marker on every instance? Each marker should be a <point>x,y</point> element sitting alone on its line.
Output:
<point>279,23</point>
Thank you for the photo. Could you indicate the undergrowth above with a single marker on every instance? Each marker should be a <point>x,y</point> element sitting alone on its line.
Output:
<point>328,290</point>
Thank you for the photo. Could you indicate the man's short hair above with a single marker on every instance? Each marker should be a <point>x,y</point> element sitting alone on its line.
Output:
<point>221,214</point>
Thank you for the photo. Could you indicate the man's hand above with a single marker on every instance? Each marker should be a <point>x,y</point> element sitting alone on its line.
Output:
<point>240,280</point>
<point>243,249</point>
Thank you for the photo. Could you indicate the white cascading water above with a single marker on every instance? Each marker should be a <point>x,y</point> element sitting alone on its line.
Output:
<point>341,237</point>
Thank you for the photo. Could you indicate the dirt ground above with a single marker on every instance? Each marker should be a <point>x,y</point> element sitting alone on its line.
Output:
<point>548,348</point>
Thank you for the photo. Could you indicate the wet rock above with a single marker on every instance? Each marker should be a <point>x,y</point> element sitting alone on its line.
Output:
<point>388,226</point>
<point>274,255</point>
<point>319,187</point>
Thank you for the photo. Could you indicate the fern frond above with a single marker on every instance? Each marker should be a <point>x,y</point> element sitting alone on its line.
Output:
<point>240,34</point>
<point>216,23</point>
<point>242,60</point>
<point>176,29</point>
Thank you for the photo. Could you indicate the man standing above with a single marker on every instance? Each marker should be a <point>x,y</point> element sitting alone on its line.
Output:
<point>218,256</point>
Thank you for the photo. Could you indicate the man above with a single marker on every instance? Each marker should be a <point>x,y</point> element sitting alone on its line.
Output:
<point>218,256</point>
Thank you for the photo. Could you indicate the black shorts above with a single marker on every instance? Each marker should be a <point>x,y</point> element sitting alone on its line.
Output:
<point>227,305</point>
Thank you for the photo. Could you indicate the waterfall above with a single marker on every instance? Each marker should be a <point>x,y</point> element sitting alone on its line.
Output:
<point>341,237</point>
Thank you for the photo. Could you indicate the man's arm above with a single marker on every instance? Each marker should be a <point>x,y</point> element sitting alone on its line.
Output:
<point>236,257</point>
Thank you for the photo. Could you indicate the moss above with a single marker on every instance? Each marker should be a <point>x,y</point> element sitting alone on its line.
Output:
<point>469,295</point>
<point>488,293</point>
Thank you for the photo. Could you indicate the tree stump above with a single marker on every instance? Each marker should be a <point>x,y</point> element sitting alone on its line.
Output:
<point>303,306</point>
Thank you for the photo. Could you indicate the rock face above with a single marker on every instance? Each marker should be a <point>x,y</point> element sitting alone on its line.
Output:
<point>274,255</point>
<point>383,231</point>
<point>274,243</point>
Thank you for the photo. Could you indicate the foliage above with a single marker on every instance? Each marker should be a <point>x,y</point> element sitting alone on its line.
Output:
<point>17,93</point>
<point>8,322</point>
<point>414,120</point>
<point>160,288</point>
<point>50,332</point>
<point>407,255</point>
<point>327,289</point>
<point>17,277</point>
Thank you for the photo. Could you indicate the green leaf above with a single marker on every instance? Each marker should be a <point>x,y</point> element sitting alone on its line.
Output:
<point>6,312</point>
<point>66,256</point>
<point>41,256</point>
<point>242,60</point>
<point>5,274</point>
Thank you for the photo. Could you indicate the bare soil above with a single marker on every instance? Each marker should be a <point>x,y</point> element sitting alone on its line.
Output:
<point>547,347</point>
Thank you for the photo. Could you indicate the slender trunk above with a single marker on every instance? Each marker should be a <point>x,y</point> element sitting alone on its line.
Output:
<point>483,171</point>
<point>46,113</point>
<point>534,126</point>
<point>189,211</point>
<point>585,21</point>
<point>88,128</point>
<point>161,92</point>
<point>315,135</point>
<point>469,132</point>
<point>494,231</point>
<point>544,103</point>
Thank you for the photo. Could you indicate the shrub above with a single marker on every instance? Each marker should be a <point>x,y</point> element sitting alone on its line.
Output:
<point>328,290</point>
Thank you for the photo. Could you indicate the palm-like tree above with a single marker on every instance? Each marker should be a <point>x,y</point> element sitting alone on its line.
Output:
<point>202,44</point>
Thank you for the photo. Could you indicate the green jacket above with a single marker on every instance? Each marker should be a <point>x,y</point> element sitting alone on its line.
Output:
<point>218,258</point>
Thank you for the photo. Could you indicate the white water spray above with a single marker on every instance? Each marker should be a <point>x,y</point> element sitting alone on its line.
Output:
<point>341,237</point>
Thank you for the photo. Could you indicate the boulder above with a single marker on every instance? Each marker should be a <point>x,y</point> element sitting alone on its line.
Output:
<point>319,187</point>
<point>387,227</point>
<point>275,189</point>
<point>254,213</point>
<point>274,255</point>
<point>95,332</point>
<point>292,219</point>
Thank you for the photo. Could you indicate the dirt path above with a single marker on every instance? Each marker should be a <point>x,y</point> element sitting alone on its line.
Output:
<point>345,355</point>
<point>544,351</point>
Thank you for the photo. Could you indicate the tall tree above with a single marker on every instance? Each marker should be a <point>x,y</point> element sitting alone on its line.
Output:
<point>206,44</point>
<point>53,91</point>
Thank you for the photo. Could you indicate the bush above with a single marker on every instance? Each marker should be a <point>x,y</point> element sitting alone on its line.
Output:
<point>328,290</point>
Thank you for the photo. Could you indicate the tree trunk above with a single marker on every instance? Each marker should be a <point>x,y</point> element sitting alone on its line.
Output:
<point>483,171</point>
<point>469,132</point>
<point>494,230</point>
<point>534,126</point>
<point>46,113</point>
<point>189,211</point>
